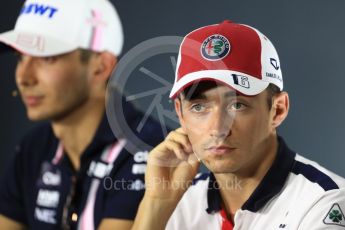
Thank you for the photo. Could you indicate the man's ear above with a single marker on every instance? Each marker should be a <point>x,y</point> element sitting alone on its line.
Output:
<point>178,109</point>
<point>280,108</point>
<point>103,65</point>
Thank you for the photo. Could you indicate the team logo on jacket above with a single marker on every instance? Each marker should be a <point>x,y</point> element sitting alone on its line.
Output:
<point>215,47</point>
<point>335,216</point>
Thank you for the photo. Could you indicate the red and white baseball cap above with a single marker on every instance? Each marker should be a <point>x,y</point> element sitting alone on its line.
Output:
<point>234,54</point>
<point>52,27</point>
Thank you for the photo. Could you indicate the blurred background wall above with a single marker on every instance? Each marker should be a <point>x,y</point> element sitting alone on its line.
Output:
<point>309,36</point>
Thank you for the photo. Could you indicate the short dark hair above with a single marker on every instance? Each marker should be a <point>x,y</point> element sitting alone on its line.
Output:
<point>85,55</point>
<point>272,90</point>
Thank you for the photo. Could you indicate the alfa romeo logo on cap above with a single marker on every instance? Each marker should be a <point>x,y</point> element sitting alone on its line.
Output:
<point>215,47</point>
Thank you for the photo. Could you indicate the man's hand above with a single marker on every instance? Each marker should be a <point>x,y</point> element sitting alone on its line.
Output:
<point>171,167</point>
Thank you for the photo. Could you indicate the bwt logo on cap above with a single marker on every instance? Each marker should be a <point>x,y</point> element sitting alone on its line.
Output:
<point>38,9</point>
<point>215,47</point>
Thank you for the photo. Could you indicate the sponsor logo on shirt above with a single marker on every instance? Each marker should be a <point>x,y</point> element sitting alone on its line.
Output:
<point>138,168</point>
<point>50,178</point>
<point>282,225</point>
<point>335,216</point>
<point>48,198</point>
<point>45,215</point>
<point>99,169</point>
<point>137,185</point>
<point>140,157</point>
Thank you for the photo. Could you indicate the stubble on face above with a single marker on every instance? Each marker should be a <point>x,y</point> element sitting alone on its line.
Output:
<point>246,143</point>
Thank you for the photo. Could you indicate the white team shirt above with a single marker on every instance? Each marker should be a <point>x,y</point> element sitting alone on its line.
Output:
<point>296,193</point>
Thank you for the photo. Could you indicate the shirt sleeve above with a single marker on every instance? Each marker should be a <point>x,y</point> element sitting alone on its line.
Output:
<point>11,189</point>
<point>327,213</point>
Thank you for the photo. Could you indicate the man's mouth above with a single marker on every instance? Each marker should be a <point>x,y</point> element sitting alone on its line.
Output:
<point>32,100</point>
<point>220,149</point>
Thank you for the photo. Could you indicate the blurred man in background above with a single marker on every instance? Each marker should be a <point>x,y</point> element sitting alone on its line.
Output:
<point>63,174</point>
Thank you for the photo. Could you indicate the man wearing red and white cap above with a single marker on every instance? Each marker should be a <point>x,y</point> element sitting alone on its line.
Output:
<point>71,172</point>
<point>229,100</point>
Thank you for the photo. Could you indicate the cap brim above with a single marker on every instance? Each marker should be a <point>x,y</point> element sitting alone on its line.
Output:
<point>34,44</point>
<point>241,82</point>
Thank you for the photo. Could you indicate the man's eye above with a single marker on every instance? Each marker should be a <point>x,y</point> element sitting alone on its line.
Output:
<point>197,108</point>
<point>49,59</point>
<point>237,106</point>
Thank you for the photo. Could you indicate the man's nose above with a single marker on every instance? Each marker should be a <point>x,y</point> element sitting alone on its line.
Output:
<point>25,71</point>
<point>221,124</point>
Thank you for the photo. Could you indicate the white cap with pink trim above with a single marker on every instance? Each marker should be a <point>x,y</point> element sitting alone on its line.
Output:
<point>234,54</point>
<point>53,27</point>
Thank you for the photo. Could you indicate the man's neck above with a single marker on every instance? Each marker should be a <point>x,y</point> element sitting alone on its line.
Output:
<point>243,185</point>
<point>77,130</point>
